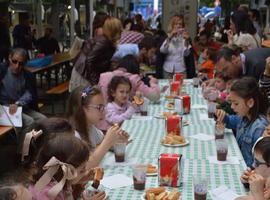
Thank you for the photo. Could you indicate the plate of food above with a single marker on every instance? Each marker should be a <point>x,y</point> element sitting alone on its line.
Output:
<point>164,115</point>
<point>161,193</point>
<point>174,141</point>
<point>170,97</point>
<point>169,106</point>
<point>152,170</point>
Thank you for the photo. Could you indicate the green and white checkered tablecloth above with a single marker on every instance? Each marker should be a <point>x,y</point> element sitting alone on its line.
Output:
<point>146,148</point>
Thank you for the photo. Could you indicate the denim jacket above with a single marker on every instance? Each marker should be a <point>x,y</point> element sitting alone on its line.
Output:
<point>246,133</point>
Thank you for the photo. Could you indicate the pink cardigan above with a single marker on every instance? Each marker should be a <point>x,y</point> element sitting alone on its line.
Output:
<point>152,93</point>
<point>43,195</point>
<point>116,114</point>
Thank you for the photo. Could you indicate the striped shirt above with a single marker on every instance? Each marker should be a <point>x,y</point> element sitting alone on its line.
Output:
<point>132,37</point>
<point>264,83</point>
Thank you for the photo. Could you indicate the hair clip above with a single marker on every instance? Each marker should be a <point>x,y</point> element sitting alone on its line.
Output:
<point>86,91</point>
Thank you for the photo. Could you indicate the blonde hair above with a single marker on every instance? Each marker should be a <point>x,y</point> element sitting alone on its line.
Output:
<point>112,29</point>
<point>174,20</point>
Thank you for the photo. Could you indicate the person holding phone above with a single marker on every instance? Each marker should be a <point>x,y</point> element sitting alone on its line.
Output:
<point>174,47</point>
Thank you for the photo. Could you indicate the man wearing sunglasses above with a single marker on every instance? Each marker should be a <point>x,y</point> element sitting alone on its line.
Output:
<point>17,87</point>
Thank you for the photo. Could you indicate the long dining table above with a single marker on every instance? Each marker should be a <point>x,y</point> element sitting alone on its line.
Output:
<point>147,133</point>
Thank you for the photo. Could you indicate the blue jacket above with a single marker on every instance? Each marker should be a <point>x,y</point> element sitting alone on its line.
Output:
<point>30,86</point>
<point>246,133</point>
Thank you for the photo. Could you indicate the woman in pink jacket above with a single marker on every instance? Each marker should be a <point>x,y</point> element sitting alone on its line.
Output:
<point>129,67</point>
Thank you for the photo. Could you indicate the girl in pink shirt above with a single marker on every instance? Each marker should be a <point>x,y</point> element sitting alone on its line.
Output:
<point>61,163</point>
<point>119,107</point>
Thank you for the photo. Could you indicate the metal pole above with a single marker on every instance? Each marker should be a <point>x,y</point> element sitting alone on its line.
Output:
<point>91,11</point>
<point>267,19</point>
<point>39,18</point>
<point>72,22</point>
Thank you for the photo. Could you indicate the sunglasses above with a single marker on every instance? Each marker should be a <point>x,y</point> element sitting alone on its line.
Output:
<point>17,62</point>
<point>257,163</point>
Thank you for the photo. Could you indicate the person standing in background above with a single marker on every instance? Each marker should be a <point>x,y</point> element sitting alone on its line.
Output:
<point>22,36</point>
<point>48,44</point>
<point>255,16</point>
<point>4,38</point>
<point>174,47</point>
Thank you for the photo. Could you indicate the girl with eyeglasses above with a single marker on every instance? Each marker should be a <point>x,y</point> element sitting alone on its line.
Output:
<point>85,110</point>
<point>258,180</point>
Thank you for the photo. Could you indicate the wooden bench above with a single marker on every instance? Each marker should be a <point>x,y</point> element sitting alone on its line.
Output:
<point>58,91</point>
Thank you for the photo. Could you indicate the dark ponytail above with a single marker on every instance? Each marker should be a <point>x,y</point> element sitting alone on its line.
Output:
<point>247,88</point>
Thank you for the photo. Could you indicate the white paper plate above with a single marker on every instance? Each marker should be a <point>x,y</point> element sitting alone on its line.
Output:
<point>159,116</point>
<point>176,145</point>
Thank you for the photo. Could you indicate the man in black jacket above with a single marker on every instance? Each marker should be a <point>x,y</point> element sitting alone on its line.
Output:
<point>48,44</point>
<point>4,38</point>
<point>235,64</point>
<point>18,88</point>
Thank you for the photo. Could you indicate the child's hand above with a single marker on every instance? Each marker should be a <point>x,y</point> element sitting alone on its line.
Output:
<point>164,88</point>
<point>134,105</point>
<point>220,115</point>
<point>153,80</point>
<point>98,196</point>
<point>87,176</point>
<point>256,185</point>
<point>113,135</point>
<point>267,187</point>
<point>139,94</point>
<point>229,35</point>
<point>266,131</point>
<point>125,137</point>
<point>245,175</point>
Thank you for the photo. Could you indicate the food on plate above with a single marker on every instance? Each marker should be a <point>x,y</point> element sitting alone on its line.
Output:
<point>170,105</point>
<point>174,195</point>
<point>163,195</point>
<point>151,169</point>
<point>160,193</point>
<point>150,196</point>
<point>139,101</point>
<point>156,191</point>
<point>173,139</point>
<point>169,96</point>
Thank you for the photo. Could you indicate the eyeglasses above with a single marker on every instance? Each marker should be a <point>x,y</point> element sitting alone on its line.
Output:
<point>17,62</point>
<point>100,107</point>
<point>257,163</point>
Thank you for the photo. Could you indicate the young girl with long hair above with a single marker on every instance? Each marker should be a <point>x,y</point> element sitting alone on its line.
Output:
<point>250,105</point>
